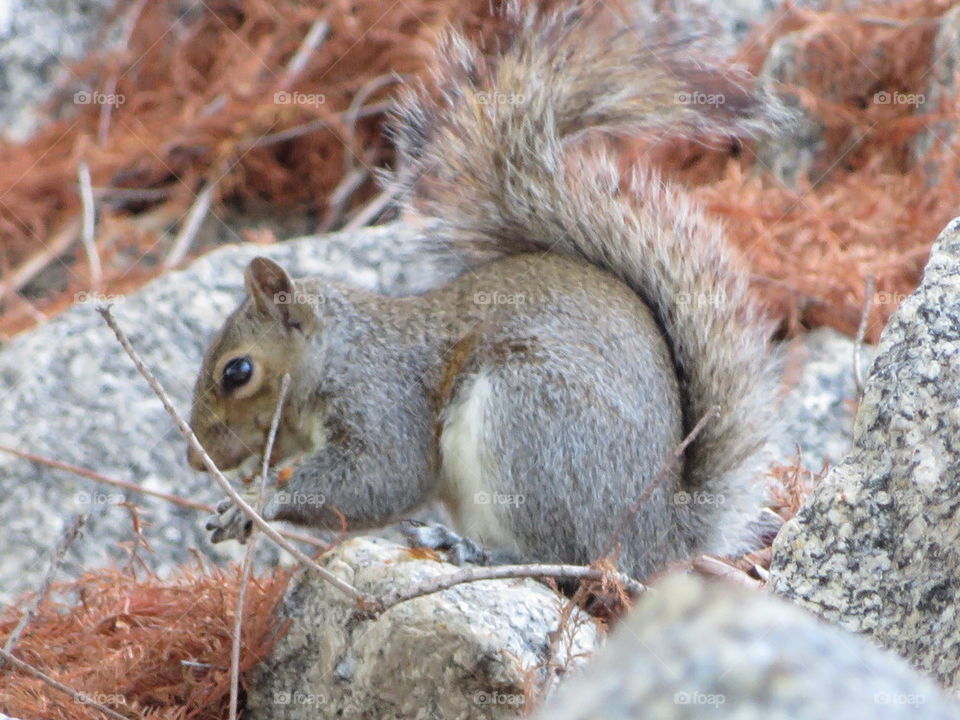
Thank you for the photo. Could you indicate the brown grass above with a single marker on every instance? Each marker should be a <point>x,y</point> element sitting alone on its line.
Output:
<point>200,106</point>
<point>200,102</point>
<point>866,207</point>
<point>122,642</point>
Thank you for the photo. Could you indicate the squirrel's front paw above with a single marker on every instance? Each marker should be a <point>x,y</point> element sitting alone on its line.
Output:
<point>229,522</point>
<point>456,548</point>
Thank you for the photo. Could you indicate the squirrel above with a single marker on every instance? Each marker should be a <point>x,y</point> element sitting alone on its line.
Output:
<point>544,394</point>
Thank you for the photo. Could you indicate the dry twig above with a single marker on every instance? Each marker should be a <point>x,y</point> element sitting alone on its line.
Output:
<point>500,572</point>
<point>89,226</point>
<point>57,685</point>
<point>861,333</point>
<point>133,487</point>
<point>56,560</point>
<point>62,239</point>
<point>312,40</point>
<point>190,228</point>
<point>661,474</point>
<point>248,556</point>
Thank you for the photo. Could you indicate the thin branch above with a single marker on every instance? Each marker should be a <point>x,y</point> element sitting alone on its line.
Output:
<point>369,212</point>
<point>312,126</point>
<point>57,685</point>
<point>116,194</point>
<point>363,599</point>
<point>89,226</point>
<point>190,228</point>
<point>62,239</point>
<point>340,196</point>
<point>56,560</point>
<point>861,334</point>
<point>248,556</point>
<point>358,105</point>
<point>658,479</point>
<point>93,475</point>
<point>711,567</point>
<point>311,41</point>
<point>500,572</point>
<point>133,487</point>
<point>106,109</point>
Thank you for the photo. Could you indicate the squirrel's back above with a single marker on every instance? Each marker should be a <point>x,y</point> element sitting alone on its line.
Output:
<point>493,162</point>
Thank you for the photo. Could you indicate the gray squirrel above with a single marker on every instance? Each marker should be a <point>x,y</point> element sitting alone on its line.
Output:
<point>543,391</point>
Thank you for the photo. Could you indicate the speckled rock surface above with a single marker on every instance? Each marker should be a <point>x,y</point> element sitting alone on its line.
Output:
<point>876,547</point>
<point>942,86</point>
<point>38,38</point>
<point>462,654</point>
<point>819,407</point>
<point>792,154</point>
<point>726,24</point>
<point>693,651</point>
<point>70,393</point>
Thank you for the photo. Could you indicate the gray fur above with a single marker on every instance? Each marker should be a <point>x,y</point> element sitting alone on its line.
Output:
<point>604,329</point>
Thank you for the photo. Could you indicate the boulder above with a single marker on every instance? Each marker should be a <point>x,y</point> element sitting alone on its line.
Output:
<point>697,651</point>
<point>70,393</point>
<point>468,653</point>
<point>876,547</point>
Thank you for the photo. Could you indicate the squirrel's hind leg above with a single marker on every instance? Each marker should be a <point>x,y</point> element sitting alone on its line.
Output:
<point>543,450</point>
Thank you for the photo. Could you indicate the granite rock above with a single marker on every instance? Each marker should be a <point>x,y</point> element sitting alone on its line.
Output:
<point>819,407</point>
<point>70,393</point>
<point>465,653</point>
<point>942,88</point>
<point>38,40</point>
<point>697,651</point>
<point>876,547</point>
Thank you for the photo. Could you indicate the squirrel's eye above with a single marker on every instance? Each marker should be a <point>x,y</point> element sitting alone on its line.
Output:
<point>237,372</point>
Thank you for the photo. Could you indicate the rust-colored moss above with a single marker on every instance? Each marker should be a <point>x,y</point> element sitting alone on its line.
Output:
<point>123,642</point>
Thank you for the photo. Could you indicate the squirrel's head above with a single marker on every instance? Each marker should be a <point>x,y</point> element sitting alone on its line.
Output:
<point>236,393</point>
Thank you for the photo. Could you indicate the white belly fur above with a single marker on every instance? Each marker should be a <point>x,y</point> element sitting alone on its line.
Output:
<point>467,468</point>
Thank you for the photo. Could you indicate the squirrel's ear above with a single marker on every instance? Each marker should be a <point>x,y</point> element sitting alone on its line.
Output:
<point>275,294</point>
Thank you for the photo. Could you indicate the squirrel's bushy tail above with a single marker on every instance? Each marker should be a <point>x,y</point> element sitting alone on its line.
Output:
<point>489,162</point>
